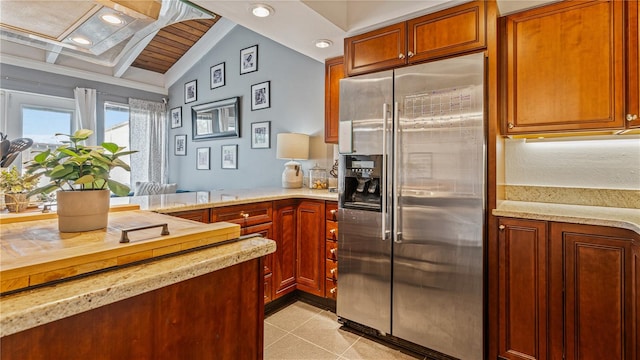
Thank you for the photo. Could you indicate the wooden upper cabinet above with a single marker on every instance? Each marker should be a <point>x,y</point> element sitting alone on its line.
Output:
<point>380,49</point>
<point>333,72</point>
<point>565,67</point>
<point>454,30</point>
<point>633,64</point>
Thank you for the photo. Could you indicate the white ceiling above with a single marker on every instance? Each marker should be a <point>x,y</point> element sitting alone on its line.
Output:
<point>296,24</point>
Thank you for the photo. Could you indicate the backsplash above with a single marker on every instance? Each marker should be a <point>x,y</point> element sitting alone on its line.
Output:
<point>585,164</point>
<point>575,196</point>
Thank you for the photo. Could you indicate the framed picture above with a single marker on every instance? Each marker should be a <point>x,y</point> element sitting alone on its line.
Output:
<point>249,59</point>
<point>260,96</point>
<point>176,117</point>
<point>180,146</point>
<point>230,156</point>
<point>191,91</point>
<point>202,158</point>
<point>217,76</point>
<point>261,135</point>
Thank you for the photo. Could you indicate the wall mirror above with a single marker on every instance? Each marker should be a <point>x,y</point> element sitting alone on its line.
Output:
<point>218,119</point>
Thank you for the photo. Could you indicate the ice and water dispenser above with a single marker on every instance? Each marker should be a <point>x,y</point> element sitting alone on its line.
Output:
<point>362,176</point>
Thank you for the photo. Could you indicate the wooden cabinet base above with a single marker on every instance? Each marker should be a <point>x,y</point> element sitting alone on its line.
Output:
<point>214,316</point>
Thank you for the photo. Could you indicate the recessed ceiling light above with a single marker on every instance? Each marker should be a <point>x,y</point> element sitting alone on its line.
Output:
<point>261,10</point>
<point>80,40</point>
<point>112,19</point>
<point>323,43</point>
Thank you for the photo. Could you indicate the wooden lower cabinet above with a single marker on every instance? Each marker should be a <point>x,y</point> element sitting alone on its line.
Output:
<point>266,231</point>
<point>214,316</point>
<point>311,247</point>
<point>567,291</point>
<point>523,296</point>
<point>284,259</point>
<point>594,318</point>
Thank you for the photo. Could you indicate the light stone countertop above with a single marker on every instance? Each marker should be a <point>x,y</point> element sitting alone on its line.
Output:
<point>208,199</point>
<point>28,309</point>
<point>625,218</point>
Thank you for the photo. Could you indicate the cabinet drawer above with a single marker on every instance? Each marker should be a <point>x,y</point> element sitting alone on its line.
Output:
<point>332,289</point>
<point>331,269</point>
<point>332,250</point>
<point>245,215</point>
<point>331,211</point>
<point>332,230</point>
<point>195,215</point>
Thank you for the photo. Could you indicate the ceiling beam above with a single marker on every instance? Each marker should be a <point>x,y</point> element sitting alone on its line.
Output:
<point>52,52</point>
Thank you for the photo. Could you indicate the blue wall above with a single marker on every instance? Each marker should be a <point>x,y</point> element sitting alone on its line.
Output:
<point>297,105</point>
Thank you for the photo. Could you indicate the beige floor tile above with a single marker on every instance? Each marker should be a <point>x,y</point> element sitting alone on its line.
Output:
<point>272,334</point>
<point>291,347</point>
<point>365,349</point>
<point>293,316</point>
<point>323,330</point>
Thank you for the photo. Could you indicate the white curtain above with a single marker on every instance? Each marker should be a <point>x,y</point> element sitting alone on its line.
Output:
<point>85,116</point>
<point>148,135</point>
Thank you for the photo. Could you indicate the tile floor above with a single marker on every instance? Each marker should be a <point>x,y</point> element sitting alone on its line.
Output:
<point>302,331</point>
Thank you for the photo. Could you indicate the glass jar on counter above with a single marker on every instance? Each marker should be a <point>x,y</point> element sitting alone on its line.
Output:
<point>318,178</point>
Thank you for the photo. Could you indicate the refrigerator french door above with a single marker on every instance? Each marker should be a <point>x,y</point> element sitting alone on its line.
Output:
<point>413,268</point>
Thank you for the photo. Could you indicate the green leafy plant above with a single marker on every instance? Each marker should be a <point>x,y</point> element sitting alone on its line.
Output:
<point>76,167</point>
<point>11,181</point>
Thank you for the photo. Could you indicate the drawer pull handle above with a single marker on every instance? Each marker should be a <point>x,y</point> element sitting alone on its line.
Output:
<point>401,56</point>
<point>333,211</point>
<point>333,271</point>
<point>332,231</point>
<point>410,54</point>
<point>124,238</point>
<point>244,215</point>
<point>333,251</point>
<point>501,227</point>
<point>333,290</point>
<point>632,117</point>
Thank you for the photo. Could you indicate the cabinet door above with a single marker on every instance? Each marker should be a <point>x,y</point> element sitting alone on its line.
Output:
<point>333,72</point>
<point>195,215</point>
<point>564,67</point>
<point>452,31</point>
<point>310,247</point>
<point>633,64</point>
<point>384,48</point>
<point>595,263</point>
<point>284,259</point>
<point>522,282</point>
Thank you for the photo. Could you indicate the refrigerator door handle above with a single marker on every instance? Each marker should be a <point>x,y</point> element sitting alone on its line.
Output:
<point>384,183</point>
<point>396,169</point>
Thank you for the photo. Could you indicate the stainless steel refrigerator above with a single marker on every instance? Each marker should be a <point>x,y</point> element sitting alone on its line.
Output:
<point>411,212</point>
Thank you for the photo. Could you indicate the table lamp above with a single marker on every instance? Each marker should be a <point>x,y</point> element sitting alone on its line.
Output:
<point>292,146</point>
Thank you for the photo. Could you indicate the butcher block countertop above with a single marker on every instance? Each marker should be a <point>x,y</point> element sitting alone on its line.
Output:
<point>35,252</point>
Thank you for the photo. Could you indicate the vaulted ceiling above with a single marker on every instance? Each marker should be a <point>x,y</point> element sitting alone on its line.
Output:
<point>148,46</point>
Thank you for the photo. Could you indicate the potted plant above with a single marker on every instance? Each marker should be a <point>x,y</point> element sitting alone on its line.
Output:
<point>80,173</point>
<point>15,188</point>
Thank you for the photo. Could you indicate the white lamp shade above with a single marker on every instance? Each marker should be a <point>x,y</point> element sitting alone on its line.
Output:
<point>292,146</point>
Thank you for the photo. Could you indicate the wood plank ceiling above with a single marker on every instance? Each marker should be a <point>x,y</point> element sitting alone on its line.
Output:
<point>170,43</point>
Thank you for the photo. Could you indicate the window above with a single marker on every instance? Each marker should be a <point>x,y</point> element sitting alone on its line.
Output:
<point>116,125</point>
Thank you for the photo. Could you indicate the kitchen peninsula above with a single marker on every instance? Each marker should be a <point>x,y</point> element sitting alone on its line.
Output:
<point>195,302</point>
